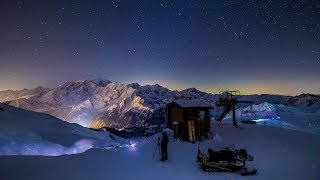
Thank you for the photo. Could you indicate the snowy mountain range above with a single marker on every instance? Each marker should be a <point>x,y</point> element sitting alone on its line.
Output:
<point>303,100</point>
<point>99,103</point>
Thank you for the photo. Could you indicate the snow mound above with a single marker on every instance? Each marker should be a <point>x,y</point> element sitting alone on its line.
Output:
<point>257,111</point>
<point>263,110</point>
<point>29,133</point>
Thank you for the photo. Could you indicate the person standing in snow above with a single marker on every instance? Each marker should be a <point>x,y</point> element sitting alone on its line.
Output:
<point>164,146</point>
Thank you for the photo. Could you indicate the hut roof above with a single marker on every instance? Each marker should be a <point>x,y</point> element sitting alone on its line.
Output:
<point>191,103</point>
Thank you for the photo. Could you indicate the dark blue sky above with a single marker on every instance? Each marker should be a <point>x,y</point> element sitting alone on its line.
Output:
<point>253,46</point>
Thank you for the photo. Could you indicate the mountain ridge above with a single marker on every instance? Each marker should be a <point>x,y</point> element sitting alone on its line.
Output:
<point>99,102</point>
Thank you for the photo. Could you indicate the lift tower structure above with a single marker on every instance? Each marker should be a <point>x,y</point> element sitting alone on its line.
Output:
<point>228,100</point>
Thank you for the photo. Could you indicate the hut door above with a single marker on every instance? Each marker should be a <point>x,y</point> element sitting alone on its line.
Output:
<point>202,118</point>
<point>176,130</point>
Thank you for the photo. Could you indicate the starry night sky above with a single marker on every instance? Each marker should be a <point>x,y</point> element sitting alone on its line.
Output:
<point>270,46</point>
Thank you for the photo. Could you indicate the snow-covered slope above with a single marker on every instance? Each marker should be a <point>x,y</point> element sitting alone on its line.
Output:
<point>304,118</point>
<point>24,132</point>
<point>98,103</point>
<point>278,154</point>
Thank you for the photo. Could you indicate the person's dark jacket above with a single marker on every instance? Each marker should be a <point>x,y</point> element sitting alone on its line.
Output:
<point>164,140</point>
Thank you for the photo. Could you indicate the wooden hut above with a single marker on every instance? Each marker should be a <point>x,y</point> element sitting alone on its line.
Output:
<point>188,118</point>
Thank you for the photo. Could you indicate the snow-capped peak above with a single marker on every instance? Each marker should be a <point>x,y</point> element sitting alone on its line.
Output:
<point>110,103</point>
